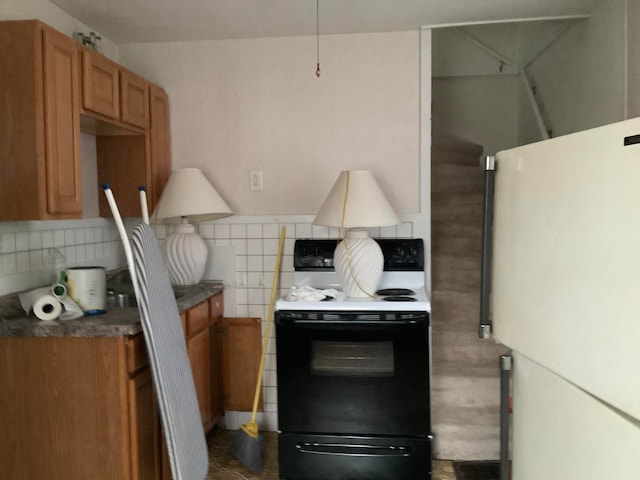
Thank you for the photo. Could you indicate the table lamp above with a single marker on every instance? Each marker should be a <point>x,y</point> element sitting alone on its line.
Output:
<point>355,203</point>
<point>188,196</point>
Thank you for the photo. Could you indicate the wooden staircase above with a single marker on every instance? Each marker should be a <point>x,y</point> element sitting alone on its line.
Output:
<point>465,386</point>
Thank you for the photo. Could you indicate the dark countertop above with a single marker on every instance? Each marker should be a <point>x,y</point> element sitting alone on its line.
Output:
<point>114,323</point>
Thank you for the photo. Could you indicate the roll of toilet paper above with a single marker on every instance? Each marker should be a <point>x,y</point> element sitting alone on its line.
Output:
<point>47,307</point>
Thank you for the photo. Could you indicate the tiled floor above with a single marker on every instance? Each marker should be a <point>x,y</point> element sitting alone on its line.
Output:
<point>224,466</point>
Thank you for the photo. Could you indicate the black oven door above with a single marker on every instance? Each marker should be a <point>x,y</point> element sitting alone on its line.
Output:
<point>350,373</point>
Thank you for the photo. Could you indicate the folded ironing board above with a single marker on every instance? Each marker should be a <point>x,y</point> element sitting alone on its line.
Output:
<point>169,360</point>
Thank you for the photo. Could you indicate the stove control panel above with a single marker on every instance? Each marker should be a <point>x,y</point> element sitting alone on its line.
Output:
<point>400,254</point>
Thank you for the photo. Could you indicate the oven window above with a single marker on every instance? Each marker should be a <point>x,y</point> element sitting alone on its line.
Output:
<point>369,359</point>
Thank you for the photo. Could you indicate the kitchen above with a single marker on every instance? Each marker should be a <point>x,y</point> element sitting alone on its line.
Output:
<point>218,124</point>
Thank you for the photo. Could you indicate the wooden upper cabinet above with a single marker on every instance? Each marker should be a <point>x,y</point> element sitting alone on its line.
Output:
<point>100,84</point>
<point>134,99</point>
<point>39,123</point>
<point>62,123</point>
<point>159,143</point>
<point>113,92</point>
<point>48,80</point>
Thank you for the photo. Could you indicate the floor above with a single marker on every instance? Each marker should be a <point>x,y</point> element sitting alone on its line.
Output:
<point>224,466</point>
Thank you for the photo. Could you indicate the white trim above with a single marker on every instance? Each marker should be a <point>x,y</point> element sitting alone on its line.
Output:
<point>512,20</point>
<point>32,226</point>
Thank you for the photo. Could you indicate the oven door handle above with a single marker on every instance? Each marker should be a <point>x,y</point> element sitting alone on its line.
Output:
<point>328,324</point>
<point>351,450</point>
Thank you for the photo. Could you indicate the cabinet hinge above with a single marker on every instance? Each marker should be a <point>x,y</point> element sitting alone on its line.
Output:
<point>222,330</point>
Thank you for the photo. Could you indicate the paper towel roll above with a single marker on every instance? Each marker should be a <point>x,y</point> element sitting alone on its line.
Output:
<point>70,309</point>
<point>58,290</point>
<point>47,307</point>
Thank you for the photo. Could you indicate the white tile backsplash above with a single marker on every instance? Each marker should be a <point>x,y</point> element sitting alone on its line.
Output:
<point>222,231</point>
<point>8,244</point>
<point>254,230</point>
<point>254,246</point>
<point>239,231</point>
<point>25,249</point>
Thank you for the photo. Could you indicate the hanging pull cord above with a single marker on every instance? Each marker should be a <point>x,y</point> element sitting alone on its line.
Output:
<point>318,38</point>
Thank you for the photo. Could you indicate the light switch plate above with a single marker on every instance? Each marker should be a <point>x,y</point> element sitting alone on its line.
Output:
<point>256,180</point>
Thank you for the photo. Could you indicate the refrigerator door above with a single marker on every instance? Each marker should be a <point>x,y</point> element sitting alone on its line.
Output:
<point>562,432</point>
<point>566,259</point>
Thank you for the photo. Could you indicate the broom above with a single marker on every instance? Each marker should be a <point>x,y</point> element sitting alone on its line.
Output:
<point>246,442</point>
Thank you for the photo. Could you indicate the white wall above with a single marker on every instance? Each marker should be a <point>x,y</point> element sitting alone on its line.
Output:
<point>585,73</point>
<point>473,99</point>
<point>479,109</point>
<point>581,78</point>
<point>50,14</point>
<point>238,105</point>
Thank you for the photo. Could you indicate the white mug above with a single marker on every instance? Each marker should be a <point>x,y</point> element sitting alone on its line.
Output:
<point>88,288</point>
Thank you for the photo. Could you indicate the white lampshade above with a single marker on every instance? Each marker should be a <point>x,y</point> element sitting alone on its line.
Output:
<point>188,195</point>
<point>366,205</point>
<point>356,202</point>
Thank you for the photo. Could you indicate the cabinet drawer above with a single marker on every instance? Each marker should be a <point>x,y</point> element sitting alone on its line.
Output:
<point>198,318</point>
<point>216,305</point>
<point>136,353</point>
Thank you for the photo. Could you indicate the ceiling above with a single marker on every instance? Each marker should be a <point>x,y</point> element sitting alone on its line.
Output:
<point>133,21</point>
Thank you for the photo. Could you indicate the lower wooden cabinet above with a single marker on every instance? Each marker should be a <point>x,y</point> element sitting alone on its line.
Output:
<point>199,333</point>
<point>77,408</point>
<point>144,428</point>
<point>199,348</point>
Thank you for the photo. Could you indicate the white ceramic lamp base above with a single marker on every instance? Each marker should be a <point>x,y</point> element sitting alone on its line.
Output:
<point>185,255</point>
<point>361,279</point>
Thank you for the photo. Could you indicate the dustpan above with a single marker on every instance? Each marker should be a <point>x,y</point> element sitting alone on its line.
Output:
<point>166,347</point>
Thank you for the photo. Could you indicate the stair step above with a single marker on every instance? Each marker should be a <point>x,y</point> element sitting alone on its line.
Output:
<point>460,442</point>
<point>456,179</point>
<point>446,149</point>
<point>464,349</point>
<point>457,273</point>
<point>456,207</point>
<point>465,388</point>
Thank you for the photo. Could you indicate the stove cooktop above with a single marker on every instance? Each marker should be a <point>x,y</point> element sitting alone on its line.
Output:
<point>416,302</point>
<point>401,287</point>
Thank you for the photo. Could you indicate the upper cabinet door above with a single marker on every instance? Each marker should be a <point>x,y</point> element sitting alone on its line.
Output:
<point>159,143</point>
<point>134,99</point>
<point>100,92</point>
<point>62,123</point>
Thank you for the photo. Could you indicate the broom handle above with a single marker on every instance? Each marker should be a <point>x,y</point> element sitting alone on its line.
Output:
<point>267,333</point>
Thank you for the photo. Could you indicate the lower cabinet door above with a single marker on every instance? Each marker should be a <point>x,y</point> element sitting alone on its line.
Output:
<point>241,351</point>
<point>199,348</point>
<point>144,428</point>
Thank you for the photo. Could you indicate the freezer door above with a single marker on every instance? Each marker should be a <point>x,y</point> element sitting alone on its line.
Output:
<point>566,259</point>
<point>562,432</point>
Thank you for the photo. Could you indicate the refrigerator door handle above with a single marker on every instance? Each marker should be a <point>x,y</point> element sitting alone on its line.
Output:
<point>505,407</point>
<point>487,246</point>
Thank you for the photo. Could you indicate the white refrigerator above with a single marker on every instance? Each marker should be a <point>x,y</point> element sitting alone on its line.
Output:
<point>561,272</point>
